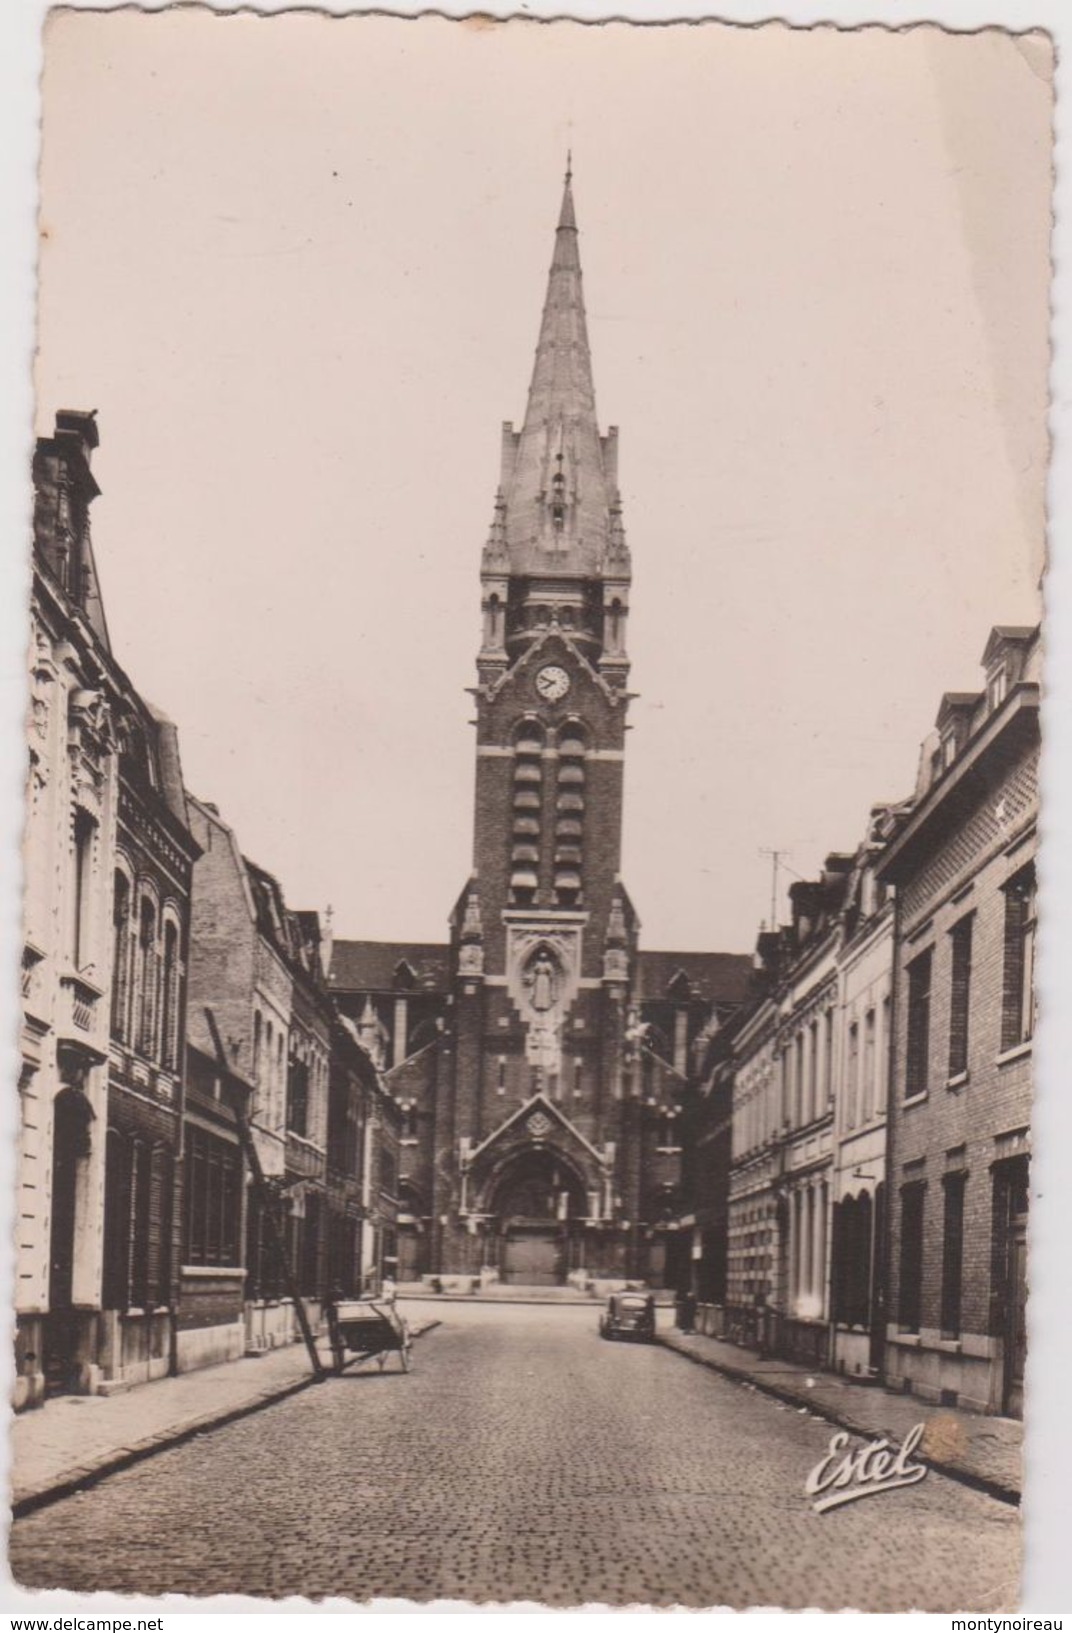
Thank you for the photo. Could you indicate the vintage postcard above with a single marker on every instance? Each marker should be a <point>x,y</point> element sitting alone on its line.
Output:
<point>534,668</point>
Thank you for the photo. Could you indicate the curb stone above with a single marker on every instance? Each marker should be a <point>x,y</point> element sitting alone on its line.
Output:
<point>1000,1490</point>
<point>84,1476</point>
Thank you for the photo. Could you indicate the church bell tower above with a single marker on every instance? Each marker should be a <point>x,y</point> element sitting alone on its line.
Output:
<point>543,937</point>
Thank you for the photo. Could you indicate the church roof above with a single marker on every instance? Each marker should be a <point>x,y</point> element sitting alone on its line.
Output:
<point>714,977</point>
<point>381,966</point>
<point>559,454</point>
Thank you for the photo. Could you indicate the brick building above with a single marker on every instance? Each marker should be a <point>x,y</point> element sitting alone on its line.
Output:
<point>537,1140</point>
<point>964,872</point>
<point>154,861</point>
<point>321,1118</point>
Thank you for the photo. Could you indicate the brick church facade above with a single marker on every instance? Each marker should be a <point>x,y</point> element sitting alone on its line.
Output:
<point>539,1055</point>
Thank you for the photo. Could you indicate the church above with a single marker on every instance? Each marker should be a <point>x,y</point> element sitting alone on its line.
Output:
<point>539,1055</point>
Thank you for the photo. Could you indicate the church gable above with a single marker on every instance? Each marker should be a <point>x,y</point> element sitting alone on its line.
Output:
<point>538,1122</point>
<point>534,681</point>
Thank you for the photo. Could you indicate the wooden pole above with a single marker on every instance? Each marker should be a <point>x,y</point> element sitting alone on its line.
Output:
<point>260,1187</point>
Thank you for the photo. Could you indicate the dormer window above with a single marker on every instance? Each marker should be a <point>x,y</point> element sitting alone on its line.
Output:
<point>997,686</point>
<point>948,749</point>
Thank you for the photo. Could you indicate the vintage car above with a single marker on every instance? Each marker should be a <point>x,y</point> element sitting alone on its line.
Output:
<point>629,1315</point>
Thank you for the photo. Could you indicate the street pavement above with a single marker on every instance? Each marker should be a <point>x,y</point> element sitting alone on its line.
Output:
<point>523,1460</point>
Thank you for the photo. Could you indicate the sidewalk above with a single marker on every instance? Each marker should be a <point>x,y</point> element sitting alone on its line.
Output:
<point>75,1440</point>
<point>980,1451</point>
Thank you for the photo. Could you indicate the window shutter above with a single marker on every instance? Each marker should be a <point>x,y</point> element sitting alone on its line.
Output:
<point>157,1225</point>
<point>116,1222</point>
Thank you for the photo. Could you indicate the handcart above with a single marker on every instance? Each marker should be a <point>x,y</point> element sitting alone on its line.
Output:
<point>366,1330</point>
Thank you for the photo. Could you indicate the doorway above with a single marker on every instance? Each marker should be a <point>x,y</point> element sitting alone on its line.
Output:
<point>532,1258</point>
<point>535,1200</point>
<point>72,1117</point>
<point>1013,1179</point>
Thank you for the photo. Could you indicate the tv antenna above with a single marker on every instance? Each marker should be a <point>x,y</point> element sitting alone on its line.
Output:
<point>776,857</point>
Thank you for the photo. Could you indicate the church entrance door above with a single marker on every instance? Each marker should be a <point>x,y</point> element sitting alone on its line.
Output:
<point>411,1256</point>
<point>536,1197</point>
<point>533,1257</point>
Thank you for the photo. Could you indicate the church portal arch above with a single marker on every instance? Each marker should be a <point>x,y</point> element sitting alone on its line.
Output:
<point>534,1202</point>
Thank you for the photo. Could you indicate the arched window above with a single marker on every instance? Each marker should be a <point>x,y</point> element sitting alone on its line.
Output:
<point>169,1030</point>
<point>493,629</point>
<point>280,1080</point>
<point>121,957</point>
<point>84,843</point>
<point>147,973</point>
<point>298,1094</point>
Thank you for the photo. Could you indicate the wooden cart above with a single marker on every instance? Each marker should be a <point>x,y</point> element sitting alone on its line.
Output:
<point>366,1330</point>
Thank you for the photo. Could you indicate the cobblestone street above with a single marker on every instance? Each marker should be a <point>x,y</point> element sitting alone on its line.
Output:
<point>523,1459</point>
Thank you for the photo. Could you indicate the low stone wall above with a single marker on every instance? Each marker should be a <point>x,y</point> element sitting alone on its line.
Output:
<point>208,1346</point>
<point>135,1347</point>
<point>852,1353</point>
<point>272,1323</point>
<point>29,1386</point>
<point>964,1372</point>
<point>211,1325</point>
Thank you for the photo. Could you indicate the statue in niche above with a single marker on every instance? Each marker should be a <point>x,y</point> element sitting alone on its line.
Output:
<point>542,982</point>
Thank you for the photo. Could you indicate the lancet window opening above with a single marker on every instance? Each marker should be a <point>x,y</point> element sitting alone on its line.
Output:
<point>527,808</point>
<point>569,814</point>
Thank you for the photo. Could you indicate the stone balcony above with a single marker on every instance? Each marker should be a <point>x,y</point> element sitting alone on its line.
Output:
<point>80,1011</point>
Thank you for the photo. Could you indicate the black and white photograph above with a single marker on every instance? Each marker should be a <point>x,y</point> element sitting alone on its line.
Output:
<point>529,908</point>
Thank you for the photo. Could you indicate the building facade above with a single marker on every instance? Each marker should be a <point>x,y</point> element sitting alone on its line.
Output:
<point>109,858</point>
<point>963,867</point>
<point>72,813</point>
<point>863,1021</point>
<point>538,1143</point>
<point>787,1130</point>
<point>154,861</point>
<point>784,1081</point>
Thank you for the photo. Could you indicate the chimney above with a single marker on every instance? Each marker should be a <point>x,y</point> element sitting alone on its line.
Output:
<point>74,425</point>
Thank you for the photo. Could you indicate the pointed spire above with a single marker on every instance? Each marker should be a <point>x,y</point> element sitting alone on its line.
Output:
<point>472,926</point>
<point>567,220</point>
<point>557,493</point>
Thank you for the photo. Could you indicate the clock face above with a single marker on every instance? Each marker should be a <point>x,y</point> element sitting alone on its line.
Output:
<point>552,683</point>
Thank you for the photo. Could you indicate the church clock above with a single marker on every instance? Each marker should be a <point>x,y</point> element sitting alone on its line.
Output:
<point>552,683</point>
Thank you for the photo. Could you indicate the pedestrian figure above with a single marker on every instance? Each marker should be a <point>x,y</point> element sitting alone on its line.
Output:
<point>685,1312</point>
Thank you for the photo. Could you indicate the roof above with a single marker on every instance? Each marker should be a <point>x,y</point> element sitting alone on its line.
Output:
<point>269,905</point>
<point>373,966</point>
<point>947,804</point>
<point>714,977</point>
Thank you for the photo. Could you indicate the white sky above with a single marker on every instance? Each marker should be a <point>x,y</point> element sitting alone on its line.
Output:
<point>297,264</point>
